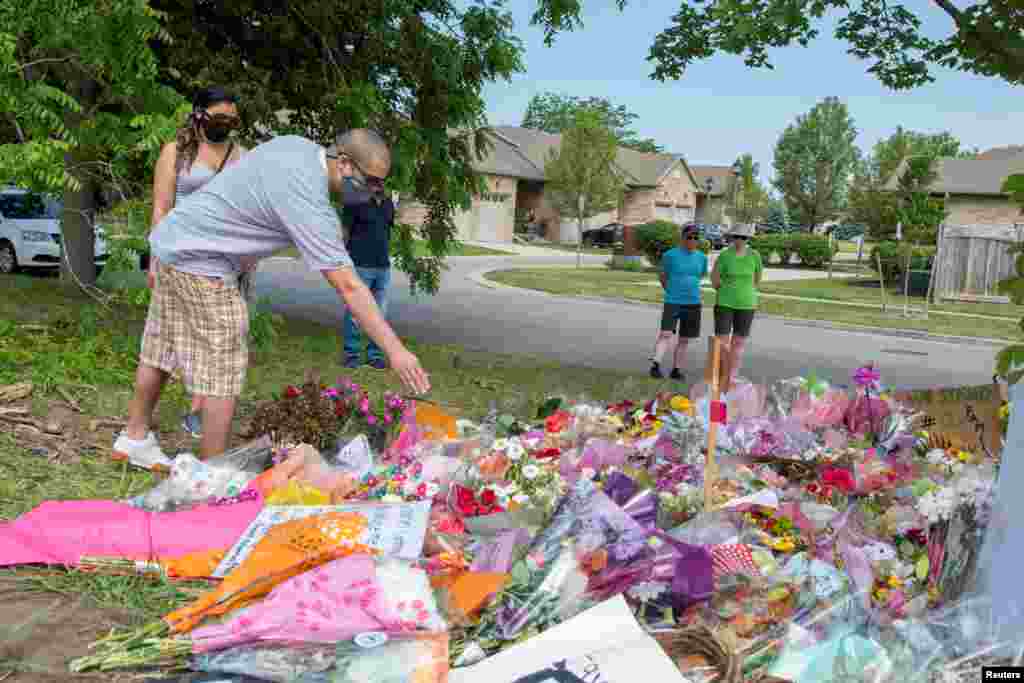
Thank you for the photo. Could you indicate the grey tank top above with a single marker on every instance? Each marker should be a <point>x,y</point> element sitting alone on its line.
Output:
<point>192,179</point>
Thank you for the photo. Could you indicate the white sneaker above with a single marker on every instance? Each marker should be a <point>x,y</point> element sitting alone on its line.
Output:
<point>145,454</point>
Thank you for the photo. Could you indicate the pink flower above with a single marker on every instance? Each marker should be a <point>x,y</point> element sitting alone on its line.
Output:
<point>387,419</point>
<point>371,419</point>
<point>867,377</point>
<point>364,405</point>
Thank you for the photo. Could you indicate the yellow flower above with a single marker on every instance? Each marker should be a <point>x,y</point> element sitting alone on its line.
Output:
<point>894,582</point>
<point>963,456</point>
<point>680,404</point>
<point>882,594</point>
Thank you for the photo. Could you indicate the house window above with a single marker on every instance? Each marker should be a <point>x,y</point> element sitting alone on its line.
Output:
<point>495,197</point>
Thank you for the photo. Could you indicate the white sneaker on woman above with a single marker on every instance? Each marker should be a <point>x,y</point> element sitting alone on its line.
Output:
<point>145,454</point>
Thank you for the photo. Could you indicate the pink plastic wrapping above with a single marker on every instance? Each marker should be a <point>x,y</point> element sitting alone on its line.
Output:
<point>62,532</point>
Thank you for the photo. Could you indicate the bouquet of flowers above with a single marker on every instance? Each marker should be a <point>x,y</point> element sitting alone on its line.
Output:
<point>587,540</point>
<point>351,598</point>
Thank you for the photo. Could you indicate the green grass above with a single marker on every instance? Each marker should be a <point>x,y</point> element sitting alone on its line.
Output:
<point>60,338</point>
<point>421,250</point>
<point>851,247</point>
<point>643,286</point>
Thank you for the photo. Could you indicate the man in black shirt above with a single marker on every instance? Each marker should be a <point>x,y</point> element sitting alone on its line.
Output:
<point>369,225</point>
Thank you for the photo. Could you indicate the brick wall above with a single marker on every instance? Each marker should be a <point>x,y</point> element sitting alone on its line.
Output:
<point>982,211</point>
<point>677,190</point>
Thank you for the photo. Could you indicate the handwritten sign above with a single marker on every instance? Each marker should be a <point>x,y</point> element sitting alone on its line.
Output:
<point>601,645</point>
<point>965,417</point>
<point>396,529</point>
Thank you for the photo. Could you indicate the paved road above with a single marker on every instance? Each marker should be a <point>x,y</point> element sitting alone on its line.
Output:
<point>615,336</point>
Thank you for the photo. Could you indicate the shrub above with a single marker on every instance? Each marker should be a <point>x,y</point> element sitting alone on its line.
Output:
<point>768,245</point>
<point>893,257</point>
<point>813,250</point>
<point>655,238</point>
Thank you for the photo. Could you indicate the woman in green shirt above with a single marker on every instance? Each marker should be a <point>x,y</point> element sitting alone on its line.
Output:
<point>736,276</point>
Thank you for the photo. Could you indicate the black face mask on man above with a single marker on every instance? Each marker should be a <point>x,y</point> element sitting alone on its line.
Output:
<point>355,194</point>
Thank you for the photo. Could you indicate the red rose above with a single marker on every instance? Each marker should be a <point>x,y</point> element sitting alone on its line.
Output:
<point>547,453</point>
<point>469,509</point>
<point>557,422</point>
<point>464,496</point>
<point>292,392</point>
<point>841,479</point>
<point>488,498</point>
<point>813,489</point>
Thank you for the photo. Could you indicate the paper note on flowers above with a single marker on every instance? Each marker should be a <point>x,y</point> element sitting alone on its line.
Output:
<point>966,416</point>
<point>396,529</point>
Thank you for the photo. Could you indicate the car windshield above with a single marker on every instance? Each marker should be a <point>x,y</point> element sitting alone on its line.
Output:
<point>29,206</point>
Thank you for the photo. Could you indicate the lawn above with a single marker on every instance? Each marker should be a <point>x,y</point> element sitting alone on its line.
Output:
<point>421,250</point>
<point>643,286</point>
<point>73,350</point>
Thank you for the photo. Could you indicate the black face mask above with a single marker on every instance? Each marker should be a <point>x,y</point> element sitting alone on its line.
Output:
<point>355,195</point>
<point>216,132</point>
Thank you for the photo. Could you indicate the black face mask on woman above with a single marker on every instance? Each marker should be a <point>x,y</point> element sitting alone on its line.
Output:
<point>217,131</point>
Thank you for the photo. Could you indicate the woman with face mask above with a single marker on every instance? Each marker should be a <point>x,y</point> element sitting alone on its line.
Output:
<point>203,148</point>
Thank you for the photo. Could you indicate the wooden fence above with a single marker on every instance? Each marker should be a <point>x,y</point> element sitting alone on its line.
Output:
<point>972,259</point>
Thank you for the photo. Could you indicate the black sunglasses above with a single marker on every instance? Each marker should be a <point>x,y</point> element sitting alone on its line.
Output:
<point>691,236</point>
<point>741,238</point>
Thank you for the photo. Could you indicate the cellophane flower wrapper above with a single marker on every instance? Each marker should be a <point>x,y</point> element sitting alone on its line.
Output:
<point>304,464</point>
<point>571,565</point>
<point>867,414</point>
<point>823,411</point>
<point>332,603</point>
<point>407,658</point>
<point>191,482</point>
<point>287,550</point>
<point>781,397</point>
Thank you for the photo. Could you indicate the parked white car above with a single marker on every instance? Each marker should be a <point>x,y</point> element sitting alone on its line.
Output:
<point>30,234</point>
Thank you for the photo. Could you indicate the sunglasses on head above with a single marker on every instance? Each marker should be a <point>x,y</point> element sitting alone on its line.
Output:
<point>741,238</point>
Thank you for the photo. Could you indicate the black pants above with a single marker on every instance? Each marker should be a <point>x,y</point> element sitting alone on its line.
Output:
<point>734,321</point>
<point>687,316</point>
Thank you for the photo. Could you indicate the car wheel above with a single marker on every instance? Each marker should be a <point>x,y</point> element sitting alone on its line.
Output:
<point>8,259</point>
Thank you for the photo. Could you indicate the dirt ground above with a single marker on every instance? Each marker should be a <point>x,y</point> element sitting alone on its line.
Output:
<point>41,634</point>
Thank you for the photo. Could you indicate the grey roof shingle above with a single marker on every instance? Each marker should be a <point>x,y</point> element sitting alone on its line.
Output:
<point>968,176</point>
<point>720,176</point>
<point>517,144</point>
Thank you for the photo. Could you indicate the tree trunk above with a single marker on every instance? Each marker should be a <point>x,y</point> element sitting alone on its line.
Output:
<point>78,265</point>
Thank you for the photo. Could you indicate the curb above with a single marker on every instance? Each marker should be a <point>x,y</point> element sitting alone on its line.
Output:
<point>478,278</point>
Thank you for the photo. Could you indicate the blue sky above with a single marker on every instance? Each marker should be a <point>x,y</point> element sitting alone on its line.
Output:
<point>721,109</point>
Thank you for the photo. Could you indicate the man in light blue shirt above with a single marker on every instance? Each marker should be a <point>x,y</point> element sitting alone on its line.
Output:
<point>682,270</point>
<point>277,196</point>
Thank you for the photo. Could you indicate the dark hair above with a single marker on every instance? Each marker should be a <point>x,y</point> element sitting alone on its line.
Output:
<point>187,139</point>
<point>208,97</point>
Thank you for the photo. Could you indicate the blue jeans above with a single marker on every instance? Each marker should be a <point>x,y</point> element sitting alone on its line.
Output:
<point>377,279</point>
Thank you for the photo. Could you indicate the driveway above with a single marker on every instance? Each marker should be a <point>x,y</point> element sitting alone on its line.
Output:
<point>616,336</point>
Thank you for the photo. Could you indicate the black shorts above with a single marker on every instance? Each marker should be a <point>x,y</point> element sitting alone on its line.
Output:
<point>686,315</point>
<point>734,321</point>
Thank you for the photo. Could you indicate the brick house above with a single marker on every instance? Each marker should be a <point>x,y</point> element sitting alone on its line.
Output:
<point>658,186</point>
<point>973,187</point>
<point>715,186</point>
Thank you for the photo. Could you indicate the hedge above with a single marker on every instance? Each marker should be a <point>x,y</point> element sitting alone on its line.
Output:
<point>894,259</point>
<point>657,237</point>
<point>813,250</point>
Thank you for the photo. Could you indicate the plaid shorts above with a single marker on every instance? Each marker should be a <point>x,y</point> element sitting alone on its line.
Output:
<point>199,326</point>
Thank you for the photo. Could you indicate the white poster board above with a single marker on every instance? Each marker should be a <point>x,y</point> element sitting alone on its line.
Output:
<point>396,529</point>
<point>605,644</point>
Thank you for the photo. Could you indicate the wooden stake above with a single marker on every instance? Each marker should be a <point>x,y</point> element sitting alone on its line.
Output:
<point>714,394</point>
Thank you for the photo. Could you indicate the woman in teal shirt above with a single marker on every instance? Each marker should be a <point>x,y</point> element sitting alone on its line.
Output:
<point>736,276</point>
<point>682,270</point>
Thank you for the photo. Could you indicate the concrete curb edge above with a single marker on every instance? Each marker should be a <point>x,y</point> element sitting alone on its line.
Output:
<point>478,277</point>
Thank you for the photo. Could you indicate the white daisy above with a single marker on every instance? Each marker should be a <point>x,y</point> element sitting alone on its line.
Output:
<point>515,451</point>
<point>531,472</point>
<point>647,591</point>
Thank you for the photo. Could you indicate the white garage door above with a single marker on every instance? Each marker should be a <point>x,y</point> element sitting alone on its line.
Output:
<point>665,213</point>
<point>491,215</point>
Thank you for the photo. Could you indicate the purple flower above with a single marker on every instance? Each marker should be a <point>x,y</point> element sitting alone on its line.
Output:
<point>867,377</point>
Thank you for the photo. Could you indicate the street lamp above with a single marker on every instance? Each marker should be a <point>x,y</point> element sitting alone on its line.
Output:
<point>737,172</point>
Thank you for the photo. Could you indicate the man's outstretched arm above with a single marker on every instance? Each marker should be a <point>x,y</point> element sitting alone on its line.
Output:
<point>361,303</point>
